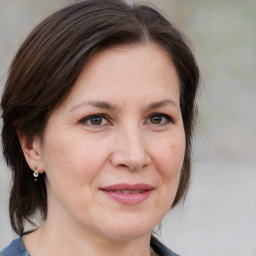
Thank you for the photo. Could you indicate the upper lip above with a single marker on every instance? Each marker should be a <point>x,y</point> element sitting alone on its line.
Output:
<point>128,187</point>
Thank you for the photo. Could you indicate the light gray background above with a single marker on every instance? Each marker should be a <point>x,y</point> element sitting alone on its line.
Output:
<point>219,215</point>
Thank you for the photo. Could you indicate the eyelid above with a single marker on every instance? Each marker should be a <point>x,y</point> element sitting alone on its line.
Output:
<point>102,115</point>
<point>107,118</point>
<point>168,117</point>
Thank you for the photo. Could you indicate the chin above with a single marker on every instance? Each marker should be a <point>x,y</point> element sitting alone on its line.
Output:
<point>129,234</point>
<point>130,228</point>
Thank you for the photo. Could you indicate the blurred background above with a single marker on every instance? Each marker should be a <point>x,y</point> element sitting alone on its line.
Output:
<point>219,214</point>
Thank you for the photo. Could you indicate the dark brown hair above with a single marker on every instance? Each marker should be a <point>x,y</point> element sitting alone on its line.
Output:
<point>46,67</point>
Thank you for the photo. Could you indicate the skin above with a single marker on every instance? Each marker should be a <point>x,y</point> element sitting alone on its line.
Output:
<point>137,136</point>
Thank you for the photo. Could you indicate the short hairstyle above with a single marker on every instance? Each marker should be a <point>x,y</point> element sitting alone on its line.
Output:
<point>45,69</point>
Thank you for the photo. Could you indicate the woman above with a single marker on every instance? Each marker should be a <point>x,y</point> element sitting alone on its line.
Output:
<point>98,112</point>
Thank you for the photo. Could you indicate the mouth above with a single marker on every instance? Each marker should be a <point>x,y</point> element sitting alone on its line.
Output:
<point>128,194</point>
<point>127,191</point>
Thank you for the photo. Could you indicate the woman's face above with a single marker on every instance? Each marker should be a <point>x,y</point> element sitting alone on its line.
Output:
<point>113,150</point>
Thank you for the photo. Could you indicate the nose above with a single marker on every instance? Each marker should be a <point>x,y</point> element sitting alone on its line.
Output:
<point>130,150</point>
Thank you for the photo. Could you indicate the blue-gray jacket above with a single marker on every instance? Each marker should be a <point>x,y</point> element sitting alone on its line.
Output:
<point>17,248</point>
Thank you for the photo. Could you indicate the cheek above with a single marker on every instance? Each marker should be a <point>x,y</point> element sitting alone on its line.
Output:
<point>78,153</point>
<point>70,168</point>
<point>168,160</point>
<point>73,165</point>
<point>169,155</point>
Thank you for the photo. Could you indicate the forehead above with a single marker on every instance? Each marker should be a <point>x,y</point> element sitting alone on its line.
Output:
<point>133,58</point>
<point>126,72</point>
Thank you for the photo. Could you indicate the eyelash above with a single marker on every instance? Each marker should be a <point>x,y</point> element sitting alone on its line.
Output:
<point>90,117</point>
<point>168,119</point>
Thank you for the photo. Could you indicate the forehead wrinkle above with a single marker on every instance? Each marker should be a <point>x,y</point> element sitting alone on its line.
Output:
<point>97,104</point>
<point>109,106</point>
<point>163,103</point>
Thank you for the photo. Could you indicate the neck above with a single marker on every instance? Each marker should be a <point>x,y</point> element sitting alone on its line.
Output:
<point>49,240</point>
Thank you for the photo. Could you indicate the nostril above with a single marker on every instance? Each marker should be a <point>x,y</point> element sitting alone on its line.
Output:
<point>132,167</point>
<point>130,158</point>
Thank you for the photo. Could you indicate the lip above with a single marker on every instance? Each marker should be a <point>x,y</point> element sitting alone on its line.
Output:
<point>128,194</point>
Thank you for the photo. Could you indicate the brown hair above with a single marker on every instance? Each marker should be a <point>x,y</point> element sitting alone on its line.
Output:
<point>46,67</point>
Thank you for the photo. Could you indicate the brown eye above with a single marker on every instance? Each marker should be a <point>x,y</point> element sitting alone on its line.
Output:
<point>159,119</point>
<point>96,120</point>
<point>156,119</point>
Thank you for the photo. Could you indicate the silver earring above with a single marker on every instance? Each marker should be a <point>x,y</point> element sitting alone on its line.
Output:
<point>35,174</point>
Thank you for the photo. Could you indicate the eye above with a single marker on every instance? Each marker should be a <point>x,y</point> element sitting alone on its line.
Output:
<point>160,119</point>
<point>95,120</point>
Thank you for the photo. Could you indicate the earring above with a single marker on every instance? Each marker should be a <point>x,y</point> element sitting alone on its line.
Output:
<point>35,174</point>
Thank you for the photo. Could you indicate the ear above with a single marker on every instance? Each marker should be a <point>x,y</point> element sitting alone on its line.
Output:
<point>32,151</point>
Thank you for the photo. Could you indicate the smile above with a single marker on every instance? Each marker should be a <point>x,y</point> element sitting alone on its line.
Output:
<point>128,194</point>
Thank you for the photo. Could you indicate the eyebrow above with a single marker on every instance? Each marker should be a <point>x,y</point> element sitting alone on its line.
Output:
<point>98,104</point>
<point>163,103</point>
<point>106,105</point>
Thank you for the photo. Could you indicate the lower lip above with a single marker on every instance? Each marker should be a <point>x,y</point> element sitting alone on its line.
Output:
<point>129,199</point>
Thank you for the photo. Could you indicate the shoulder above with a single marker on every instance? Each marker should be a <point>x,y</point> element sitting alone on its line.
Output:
<point>15,248</point>
<point>159,248</point>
